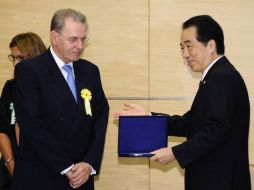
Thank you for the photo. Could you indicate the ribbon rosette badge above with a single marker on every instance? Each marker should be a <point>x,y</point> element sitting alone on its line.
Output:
<point>87,96</point>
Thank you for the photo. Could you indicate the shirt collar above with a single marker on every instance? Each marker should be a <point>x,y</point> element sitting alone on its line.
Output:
<point>59,62</point>
<point>209,67</point>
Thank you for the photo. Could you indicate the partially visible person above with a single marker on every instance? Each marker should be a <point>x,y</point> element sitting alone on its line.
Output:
<point>22,46</point>
<point>62,112</point>
<point>4,176</point>
<point>215,154</point>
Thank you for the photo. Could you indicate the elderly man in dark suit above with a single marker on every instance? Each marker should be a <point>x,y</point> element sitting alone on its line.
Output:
<point>215,154</point>
<point>62,112</point>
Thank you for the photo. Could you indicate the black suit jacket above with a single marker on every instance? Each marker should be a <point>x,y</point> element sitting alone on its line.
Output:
<point>215,154</point>
<point>55,130</point>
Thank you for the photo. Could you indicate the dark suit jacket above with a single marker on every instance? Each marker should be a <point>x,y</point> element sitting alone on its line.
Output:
<point>215,154</point>
<point>55,130</point>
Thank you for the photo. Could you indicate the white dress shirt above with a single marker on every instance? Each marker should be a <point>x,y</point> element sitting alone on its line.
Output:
<point>209,67</point>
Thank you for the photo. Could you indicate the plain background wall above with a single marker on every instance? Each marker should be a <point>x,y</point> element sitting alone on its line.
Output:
<point>135,43</point>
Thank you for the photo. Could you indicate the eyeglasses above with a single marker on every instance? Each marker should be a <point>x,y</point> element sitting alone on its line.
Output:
<point>18,58</point>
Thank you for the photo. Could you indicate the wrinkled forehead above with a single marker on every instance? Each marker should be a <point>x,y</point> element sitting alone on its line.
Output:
<point>74,29</point>
<point>70,23</point>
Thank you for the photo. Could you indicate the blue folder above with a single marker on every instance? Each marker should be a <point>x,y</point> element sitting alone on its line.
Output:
<point>139,135</point>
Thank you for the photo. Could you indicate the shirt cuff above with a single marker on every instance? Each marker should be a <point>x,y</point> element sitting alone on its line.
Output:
<point>93,172</point>
<point>67,169</point>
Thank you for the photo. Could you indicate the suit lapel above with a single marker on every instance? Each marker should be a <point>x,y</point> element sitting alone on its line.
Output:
<point>68,106</point>
<point>60,88</point>
<point>216,65</point>
<point>79,80</point>
<point>221,61</point>
<point>81,83</point>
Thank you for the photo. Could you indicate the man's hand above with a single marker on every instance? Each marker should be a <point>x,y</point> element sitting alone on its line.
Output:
<point>79,174</point>
<point>130,109</point>
<point>163,155</point>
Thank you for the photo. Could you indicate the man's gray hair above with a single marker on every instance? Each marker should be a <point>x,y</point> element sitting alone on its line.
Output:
<point>58,19</point>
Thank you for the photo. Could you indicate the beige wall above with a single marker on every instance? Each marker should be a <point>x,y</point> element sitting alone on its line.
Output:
<point>135,43</point>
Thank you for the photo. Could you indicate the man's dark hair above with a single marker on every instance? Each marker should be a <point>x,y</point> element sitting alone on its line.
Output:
<point>207,29</point>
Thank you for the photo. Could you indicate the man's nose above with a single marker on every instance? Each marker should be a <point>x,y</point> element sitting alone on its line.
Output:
<point>80,44</point>
<point>185,53</point>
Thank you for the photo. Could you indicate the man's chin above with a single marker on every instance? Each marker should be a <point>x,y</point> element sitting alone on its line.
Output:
<point>75,58</point>
<point>193,68</point>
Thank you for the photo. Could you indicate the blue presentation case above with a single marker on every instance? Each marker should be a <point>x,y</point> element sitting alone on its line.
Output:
<point>139,135</point>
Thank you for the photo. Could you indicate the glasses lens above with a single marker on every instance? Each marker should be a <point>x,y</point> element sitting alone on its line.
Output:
<point>18,58</point>
<point>11,58</point>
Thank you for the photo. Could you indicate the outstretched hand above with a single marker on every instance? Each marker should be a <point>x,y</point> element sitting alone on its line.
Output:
<point>130,109</point>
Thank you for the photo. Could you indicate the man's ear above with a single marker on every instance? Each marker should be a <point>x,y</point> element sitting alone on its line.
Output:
<point>54,37</point>
<point>212,46</point>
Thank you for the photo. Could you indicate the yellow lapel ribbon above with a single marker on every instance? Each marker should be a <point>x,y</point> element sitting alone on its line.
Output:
<point>87,96</point>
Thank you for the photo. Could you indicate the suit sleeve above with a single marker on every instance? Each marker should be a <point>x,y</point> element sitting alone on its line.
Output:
<point>219,104</point>
<point>100,113</point>
<point>177,124</point>
<point>49,149</point>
